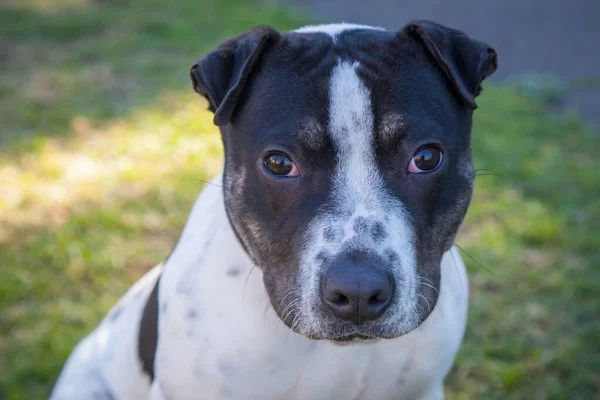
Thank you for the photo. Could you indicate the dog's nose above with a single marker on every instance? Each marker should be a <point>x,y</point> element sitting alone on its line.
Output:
<point>357,290</point>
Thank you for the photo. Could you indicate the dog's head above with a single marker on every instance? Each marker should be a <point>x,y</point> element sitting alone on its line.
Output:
<point>347,166</point>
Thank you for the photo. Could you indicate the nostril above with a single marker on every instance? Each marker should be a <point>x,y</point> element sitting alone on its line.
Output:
<point>337,299</point>
<point>378,299</point>
<point>343,300</point>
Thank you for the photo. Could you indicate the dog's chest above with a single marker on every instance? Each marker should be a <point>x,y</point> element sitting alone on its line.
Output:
<point>224,351</point>
<point>247,367</point>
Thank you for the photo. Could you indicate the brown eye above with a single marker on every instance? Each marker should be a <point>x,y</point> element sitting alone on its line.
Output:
<point>280,165</point>
<point>426,160</point>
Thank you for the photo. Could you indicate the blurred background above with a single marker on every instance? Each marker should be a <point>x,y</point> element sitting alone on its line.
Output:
<point>104,146</point>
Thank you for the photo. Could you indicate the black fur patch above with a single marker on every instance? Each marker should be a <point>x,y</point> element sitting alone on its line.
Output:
<point>148,333</point>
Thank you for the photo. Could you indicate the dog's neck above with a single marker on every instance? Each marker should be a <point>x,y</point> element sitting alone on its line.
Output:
<point>209,249</point>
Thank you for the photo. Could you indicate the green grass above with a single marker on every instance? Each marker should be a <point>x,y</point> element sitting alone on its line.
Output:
<point>103,148</point>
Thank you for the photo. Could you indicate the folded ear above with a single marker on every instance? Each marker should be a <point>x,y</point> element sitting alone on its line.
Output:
<point>464,61</point>
<point>221,75</point>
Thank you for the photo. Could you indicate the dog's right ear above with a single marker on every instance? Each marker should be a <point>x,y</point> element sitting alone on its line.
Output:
<point>221,75</point>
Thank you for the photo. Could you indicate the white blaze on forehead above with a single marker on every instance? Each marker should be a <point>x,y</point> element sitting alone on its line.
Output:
<point>335,29</point>
<point>351,129</point>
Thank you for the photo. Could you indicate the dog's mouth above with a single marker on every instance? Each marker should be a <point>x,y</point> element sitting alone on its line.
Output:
<point>354,339</point>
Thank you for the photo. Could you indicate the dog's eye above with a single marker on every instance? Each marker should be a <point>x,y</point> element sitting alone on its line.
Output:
<point>426,159</point>
<point>279,164</point>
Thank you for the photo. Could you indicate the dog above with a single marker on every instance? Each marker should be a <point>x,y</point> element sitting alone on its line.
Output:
<point>321,263</point>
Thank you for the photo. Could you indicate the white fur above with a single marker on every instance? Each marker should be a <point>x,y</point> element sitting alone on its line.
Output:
<point>234,349</point>
<point>335,29</point>
<point>358,191</point>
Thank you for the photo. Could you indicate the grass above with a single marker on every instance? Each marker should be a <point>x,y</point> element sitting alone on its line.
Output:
<point>103,148</point>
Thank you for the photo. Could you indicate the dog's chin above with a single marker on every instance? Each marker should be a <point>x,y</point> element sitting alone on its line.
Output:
<point>353,340</point>
<point>344,333</point>
<point>356,337</point>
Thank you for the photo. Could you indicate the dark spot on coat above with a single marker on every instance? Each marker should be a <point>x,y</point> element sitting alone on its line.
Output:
<point>184,286</point>
<point>198,371</point>
<point>360,226</point>
<point>271,358</point>
<point>322,257</point>
<point>391,255</point>
<point>208,242</point>
<point>98,389</point>
<point>331,234</point>
<point>102,395</point>
<point>233,271</point>
<point>378,232</point>
<point>115,313</point>
<point>192,314</point>
<point>163,309</point>
<point>356,119</point>
<point>220,315</point>
<point>226,392</point>
<point>225,366</point>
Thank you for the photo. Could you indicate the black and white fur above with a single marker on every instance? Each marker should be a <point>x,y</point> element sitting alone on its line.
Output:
<point>236,311</point>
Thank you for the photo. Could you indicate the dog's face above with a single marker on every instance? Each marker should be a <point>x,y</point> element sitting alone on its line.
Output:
<point>347,166</point>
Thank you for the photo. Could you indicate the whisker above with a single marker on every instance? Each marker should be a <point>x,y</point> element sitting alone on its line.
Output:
<point>462,285</point>
<point>439,305</point>
<point>247,278</point>
<point>426,301</point>
<point>290,292</point>
<point>288,309</point>
<point>203,181</point>
<point>477,262</point>
<point>266,311</point>
<point>428,285</point>
<point>487,172</point>
<point>416,316</point>
<point>298,314</point>
<point>419,307</point>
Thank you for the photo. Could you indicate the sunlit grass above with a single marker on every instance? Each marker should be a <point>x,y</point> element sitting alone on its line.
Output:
<point>104,147</point>
<point>99,167</point>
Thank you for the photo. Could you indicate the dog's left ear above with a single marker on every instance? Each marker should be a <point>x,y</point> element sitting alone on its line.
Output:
<point>464,61</point>
<point>220,76</point>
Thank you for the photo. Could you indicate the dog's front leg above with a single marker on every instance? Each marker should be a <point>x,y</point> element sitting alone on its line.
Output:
<point>155,392</point>
<point>434,393</point>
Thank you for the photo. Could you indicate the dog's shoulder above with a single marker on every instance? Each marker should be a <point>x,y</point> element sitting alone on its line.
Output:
<point>106,363</point>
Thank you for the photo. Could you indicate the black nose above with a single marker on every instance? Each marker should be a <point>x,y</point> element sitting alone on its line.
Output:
<point>357,289</point>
